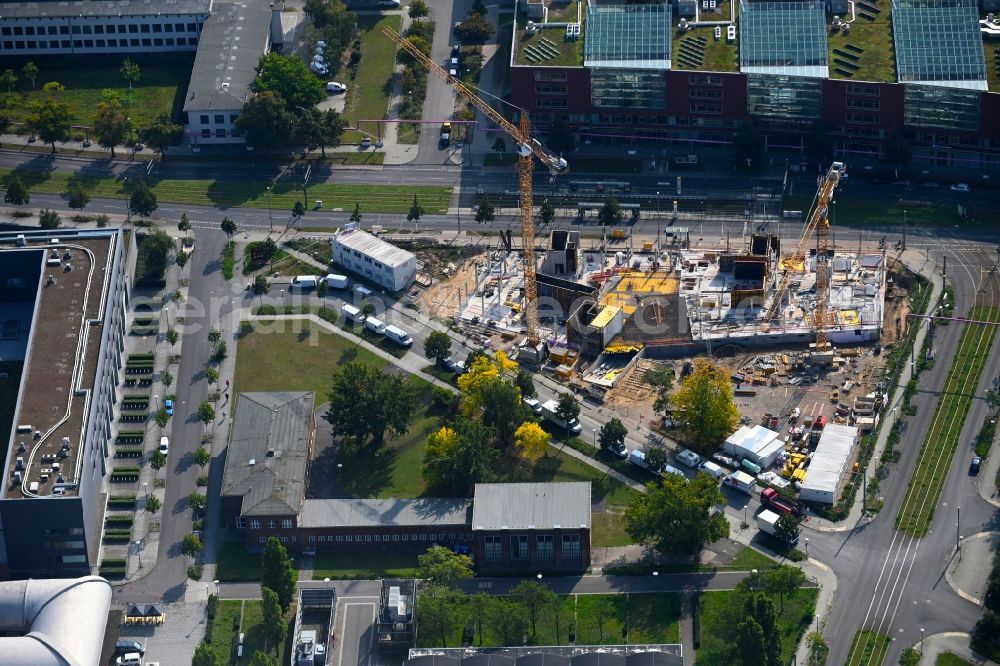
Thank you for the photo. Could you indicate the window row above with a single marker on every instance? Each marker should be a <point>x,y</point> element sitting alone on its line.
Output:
<point>218,118</point>
<point>544,547</point>
<point>121,29</point>
<point>403,536</point>
<point>9,45</point>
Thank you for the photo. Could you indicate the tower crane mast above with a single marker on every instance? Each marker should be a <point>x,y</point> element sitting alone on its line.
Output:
<point>818,223</point>
<point>527,148</point>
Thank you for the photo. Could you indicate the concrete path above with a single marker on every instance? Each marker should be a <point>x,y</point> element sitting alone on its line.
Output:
<point>955,643</point>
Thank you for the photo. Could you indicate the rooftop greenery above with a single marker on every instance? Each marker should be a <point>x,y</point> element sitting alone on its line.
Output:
<point>549,47</point>
<point>700,46</point>
<point>867,52</point>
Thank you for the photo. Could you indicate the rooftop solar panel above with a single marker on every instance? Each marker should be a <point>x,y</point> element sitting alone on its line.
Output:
<point>938,42</point>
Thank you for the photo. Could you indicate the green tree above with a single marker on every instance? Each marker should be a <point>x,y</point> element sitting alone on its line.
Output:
<point>203,655</point>
<point>761,609</point>
<point>508,620</point>
<point>612,435</point>
<point>561,138</point>
<point>102,220</point>
<point>172,336</point>
<point>479,613</point>
<point>185,224</point>
<point>662,381</point>
<point>4,124</point>
<point>787,528</point>
<point>316,129</point>
<point>277,571</point>
<point>784,580</point>
<point>567,408</point>
<point>909,657</point>
<point>475,29</point>
<point>611,212</point>
<point>191,545</point>
<point>202,457</point>
<point>356,215</point>
<point>78,197</point>
<point>752,650</point>
<point>985,637</point>
<point>747,142</point>
<point>260,287</point>
<point>419,9</point>
<point>819,143</point>
<point>457,458</point>
<point>819,650</point>
<point>274,619</point>
<point>167,378</point>
<point>299,209</point>
<point>502,408</point>
<point>130,72</point>
<point>603,611</point>
<point>677,516</point>
<point>499,146</point>
<point>547,212</point>
<point>142,200</point>
<point>214,334</point>
<point>443,566</point>
<point>51,120</point>
<point>897,148</point>
<point>265,121</point>
<point>368,309</point>
<point>153,503</point>
<point>416,211</point>
<point>534,597</point>
<point>229,228</point>
<point>30,72</point>
<point>289,78</point>
<point>525,384</point>
<point>161,134</point>
<point>8,80</point>
<point>440,611</point>
<point>16,194</point>
<point>48,219</point>
<point>485,210</point>
<point>111,125</point>
<point>157,460</point>
<point>261,659</point>
<point>656,458</point>
<point>705,397</point>
<point>364,403</point>
<point>162,418</point>
<point>437,346</point>
<point>197,502</point>
<point>206,413</point>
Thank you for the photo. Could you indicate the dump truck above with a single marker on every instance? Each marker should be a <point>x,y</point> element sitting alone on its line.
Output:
<point>772,499</point>
<point>767,521</point>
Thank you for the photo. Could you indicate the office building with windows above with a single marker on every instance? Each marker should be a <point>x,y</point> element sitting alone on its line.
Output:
<point>926,69</point>
<point>64,298</point>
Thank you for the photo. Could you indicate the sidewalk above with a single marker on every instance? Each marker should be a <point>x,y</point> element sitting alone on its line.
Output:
<point>954,642</point>
<point>917,262</point>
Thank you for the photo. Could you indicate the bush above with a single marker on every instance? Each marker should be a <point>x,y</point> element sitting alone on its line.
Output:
<point>194,572</point>
<point>122,501</point>
<point>118,521</point>
<point>265,310</point>
<point>327,314</point>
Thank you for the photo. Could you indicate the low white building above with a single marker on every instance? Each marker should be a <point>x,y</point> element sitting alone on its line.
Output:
<point>760,445</point>
<point>383,263</point>
<point>829,463</point>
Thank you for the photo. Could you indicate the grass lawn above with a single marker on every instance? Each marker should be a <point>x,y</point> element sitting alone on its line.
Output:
<point>748,559</point>
<point>867,54</point>
<point>941,441</point>
<point>160,90</point>
<point>228,260</point>
<point>253,194</point>
<point>608,529</point>
<point>949,659</point>
<point>869,647</point>
<point>538,48</point>
<point>992,76</point>
<point>235,563</point>
<point>368,97</point>
<point>720,56</point>
<point>372,564</point>
<point>720,613</point>
<point>234,617</point>
<point>318,249</point>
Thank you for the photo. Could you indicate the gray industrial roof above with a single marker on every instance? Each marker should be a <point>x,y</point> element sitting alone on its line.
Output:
<point>269,452</point>
<point>373,246</point>
<point>384,512</point>
<point>232,41</point>
<point>540,506</point>
<point>57,9</point>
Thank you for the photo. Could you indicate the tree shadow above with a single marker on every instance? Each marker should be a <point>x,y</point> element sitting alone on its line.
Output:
<point>367,469</point>
<point>34,172</point>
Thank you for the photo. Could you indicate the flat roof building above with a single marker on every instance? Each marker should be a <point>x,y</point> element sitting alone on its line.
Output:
<point>383,263</point>
<point>829,463</point>
<point>63,304</point>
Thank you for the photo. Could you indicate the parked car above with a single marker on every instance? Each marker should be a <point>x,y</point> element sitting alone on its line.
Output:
<point>124,646</point>
<point>318,68</point>
<point>445,133</point>
<point>168,405</point>
<point>164,445</point>
<point>534,405</point>
<point>931,185</point>
<point>975,466</point>
<point>321,44</point>
<point>335,87</point>
<point>129,659</point>
<point>455,51</point>
<point>961,187</point>
<point>388,3</point>
<point>452,70</point>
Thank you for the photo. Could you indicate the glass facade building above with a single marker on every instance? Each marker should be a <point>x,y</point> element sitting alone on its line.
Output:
<point>628,89</point>
<point>787,38</point>
<point>938,42</point>
<point>945,108</point>
<point>786,97</point>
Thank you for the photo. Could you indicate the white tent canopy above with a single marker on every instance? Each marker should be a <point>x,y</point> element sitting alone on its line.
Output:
<point>829,463</point>
<point>761,445</point>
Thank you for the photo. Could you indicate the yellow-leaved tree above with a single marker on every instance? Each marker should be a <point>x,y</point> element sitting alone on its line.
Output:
<point>705,400</point>
<point>440,447</point>
<point>483,372</point>
<point>531,440</point>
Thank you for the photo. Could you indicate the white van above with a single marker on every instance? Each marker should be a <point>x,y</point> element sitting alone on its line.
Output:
<point>375,325</point>
<point>638,458</point>
<point>398,335</point>
<point>129,659</point>
<point>303,282</point>
<point>363,292</point>
<point>351,313</point>
<point>689,458</point>
<point>337,281</point>
<point>709,467</point>
<point>670,469</point>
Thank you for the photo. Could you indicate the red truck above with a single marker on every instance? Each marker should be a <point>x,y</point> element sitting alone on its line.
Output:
<point>770,498</point>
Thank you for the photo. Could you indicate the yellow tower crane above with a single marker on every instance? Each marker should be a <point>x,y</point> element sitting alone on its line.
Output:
<point>819,224</point>
<point>527,147</point>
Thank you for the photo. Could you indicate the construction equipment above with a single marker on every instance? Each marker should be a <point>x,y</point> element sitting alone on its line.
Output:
<point>532,350</point>
<point>819,224</point>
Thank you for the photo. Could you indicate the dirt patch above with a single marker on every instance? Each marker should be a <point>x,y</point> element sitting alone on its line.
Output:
<point>455,280</point>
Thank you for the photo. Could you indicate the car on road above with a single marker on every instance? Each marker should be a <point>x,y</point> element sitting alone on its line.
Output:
<point>168,405</point>
<point>961,187</point>
<point>931,185</point>
<point>533,405</point>
<point>902,183</point>
<point>445,133</point>
<point>452,70</point>
<point>975,466</point>
<point>455,51</point>
<point>335,87</point>
<point>164,445</point>
<point>388,3</point>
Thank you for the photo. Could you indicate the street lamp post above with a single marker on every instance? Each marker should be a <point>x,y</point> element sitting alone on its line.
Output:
<point>807,547</point>
<point>594,431</point>
<point>745,507</point>
<point>270,220</point>
<point>921,641</point>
